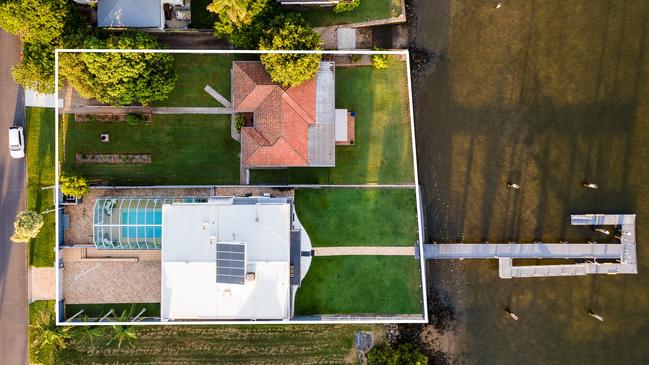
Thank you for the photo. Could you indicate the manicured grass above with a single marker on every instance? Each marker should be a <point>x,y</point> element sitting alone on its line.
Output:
<point>201,18</point>
<point>185,149</point>
<point>367,10</point>
<point>358,217</point>
<point>194,72</point>
<point>383,145</point>
<point>287,344</point>
<point>360,285</point>
<point>40,173</point>
<point>98,310</point>
<point>46,354</point>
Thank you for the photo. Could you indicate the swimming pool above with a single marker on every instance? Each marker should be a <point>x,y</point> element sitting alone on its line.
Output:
<point>142,223</point>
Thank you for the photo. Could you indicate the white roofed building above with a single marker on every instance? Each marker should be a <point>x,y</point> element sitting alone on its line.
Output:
<point>226,259</point>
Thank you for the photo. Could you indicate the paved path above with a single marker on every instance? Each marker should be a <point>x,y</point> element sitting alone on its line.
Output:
<point>215,94</point>
<point>13,256</point>
<point>141,109</point>
<point>364,251</point>
<point>43,283</point>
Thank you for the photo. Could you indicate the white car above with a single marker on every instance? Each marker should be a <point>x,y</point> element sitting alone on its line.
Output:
<point>16,142</point>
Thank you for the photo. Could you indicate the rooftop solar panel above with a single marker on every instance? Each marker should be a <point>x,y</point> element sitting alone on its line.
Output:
<point>230,263</point>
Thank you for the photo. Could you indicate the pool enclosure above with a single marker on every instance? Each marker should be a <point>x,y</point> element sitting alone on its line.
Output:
<point>131,223</point>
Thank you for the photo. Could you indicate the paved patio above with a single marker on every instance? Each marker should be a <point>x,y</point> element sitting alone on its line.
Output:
<point>96,281</point>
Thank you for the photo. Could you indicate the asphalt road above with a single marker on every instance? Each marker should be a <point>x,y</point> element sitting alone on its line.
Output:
<point>13,256</point>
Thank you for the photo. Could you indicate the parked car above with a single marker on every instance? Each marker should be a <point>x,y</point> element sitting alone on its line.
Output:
<point>16,142</point>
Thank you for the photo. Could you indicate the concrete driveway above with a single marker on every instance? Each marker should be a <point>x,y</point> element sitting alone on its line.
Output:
<point>13,256</point>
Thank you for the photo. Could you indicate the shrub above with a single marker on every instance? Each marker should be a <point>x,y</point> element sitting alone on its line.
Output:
<point>27,225</point>
<point>76,186</point>
<point>380,61</point>
<point>405,354</point>
<point>346,5</point>
<point>134,119</point>
<point>239,120</point>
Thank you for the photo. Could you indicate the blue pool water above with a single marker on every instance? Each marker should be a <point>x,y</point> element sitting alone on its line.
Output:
<point>150,217</point>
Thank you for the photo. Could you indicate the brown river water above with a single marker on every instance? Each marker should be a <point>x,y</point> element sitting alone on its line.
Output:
<point>547,94</point>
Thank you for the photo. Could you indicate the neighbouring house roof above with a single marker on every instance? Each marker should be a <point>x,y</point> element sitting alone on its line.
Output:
<point>288,122</point>
<point>129,13</point>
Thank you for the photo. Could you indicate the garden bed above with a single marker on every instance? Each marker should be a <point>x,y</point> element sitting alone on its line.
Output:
<point>112,158</point>
<point>108,117</point>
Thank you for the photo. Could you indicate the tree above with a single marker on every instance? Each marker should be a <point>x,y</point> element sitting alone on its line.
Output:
<point>121,78</point>
<point>405,354</point>
<point>290,32</point>
<point>346,5</point>
<point>46,334</point>
<point>27,225</point>
<point>36,70</point>
<point>35,21</point>
<point>76,186</point>
<point>235,13</point>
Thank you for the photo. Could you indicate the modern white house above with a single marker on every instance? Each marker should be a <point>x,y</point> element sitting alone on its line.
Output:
<point>225,260</point>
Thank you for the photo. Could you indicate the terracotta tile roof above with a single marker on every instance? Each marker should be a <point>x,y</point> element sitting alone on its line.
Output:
<point>279,136</point>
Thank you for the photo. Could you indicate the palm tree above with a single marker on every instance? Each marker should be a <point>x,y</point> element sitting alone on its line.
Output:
<point>47,333</point>
<point>89,333</point>
<point>123,333</point>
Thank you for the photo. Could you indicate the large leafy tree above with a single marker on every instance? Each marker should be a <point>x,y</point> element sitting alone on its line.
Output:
<point>35,21</point>
<point>36,71</point>
<point>233,14</point>
<point>290,32</point>
<point>121,78</point>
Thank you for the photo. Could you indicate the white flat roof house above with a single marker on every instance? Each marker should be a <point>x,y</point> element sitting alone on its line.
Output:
<point>130,14</point>
<point>226,260</point>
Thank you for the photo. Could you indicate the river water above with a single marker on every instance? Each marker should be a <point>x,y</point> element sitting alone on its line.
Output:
<point>547,94</point>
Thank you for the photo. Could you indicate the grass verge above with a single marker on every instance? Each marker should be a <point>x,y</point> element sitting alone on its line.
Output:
<point>366,11</point>
<point>185,149</point>
<point>360,285</point>
<point>44,355</point>
<point>383,145</point>
<point>358,217</point>
<point>40,173</point>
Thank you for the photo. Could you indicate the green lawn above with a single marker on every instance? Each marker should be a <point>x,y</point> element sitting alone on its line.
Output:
<point>367,10</point>
<point>358,217</point>
<point>194,72</point>
<point>185,149</point>
<point>44,355</point>
<point>360,285</point>
<point>40,173</point>
<point>98,310</point>
<point>201,18</point>
<point>383,145</point>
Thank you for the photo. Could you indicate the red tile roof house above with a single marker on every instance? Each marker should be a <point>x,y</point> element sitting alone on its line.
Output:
<point>290,126</point>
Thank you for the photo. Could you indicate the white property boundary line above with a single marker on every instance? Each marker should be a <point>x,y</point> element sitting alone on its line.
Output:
<point>369,320</point>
